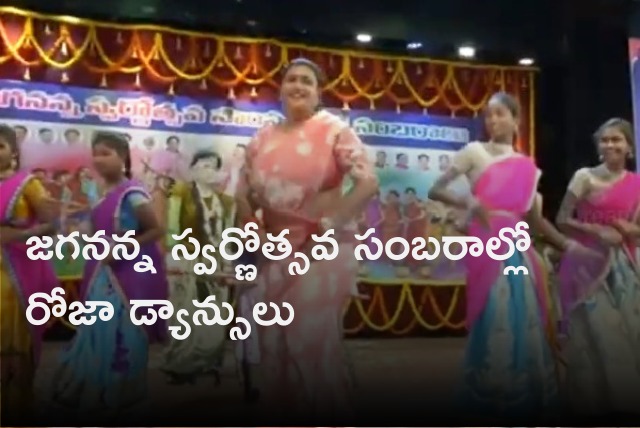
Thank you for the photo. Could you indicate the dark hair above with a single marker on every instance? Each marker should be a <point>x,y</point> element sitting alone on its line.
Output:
<point>37,170</point>
<point>410,190</point>
<point>509,101</point>
<point>394,192</point>
<point>206,154</point>
<point>59,173</point>
<point>303,62</point>
<point>399,155</point>
<point>173,137</point>
<point>79,171</point>
<point>423,156</point>
<point>117,142</point>
<point>21,127</point>
<point>622,125</point>
<point>8,134</point>
<point>43,130</point>
<point>71,131</point>
<point>315,69</point>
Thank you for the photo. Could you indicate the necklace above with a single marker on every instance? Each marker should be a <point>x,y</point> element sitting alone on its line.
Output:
<point>210,213</point>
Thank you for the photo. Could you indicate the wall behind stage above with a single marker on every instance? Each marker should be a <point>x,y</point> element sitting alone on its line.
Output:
<point>55,124</point>
<point>634,58</point>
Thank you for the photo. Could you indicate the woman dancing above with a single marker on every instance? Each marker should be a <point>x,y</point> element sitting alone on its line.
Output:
<point>601,301</point>
<point>294,172</point>
<point>25,213</point>
<point>105,366</point>
<point>509,363</point>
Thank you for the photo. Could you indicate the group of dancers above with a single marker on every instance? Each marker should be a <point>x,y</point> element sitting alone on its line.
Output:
<point>515,362</point>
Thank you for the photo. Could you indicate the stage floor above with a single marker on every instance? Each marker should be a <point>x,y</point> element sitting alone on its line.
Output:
<point>405,371</point>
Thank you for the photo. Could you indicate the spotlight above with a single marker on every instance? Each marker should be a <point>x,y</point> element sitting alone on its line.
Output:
<point>364,38</point>
<point>466,51</point>
<point>526,61</point>
<point>414,45</point>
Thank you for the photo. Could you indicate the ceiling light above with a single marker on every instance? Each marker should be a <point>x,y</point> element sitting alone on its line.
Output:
<point>414,45</point>
<point>526,61</point>
<point>364,38</point>
<point>466,51</point>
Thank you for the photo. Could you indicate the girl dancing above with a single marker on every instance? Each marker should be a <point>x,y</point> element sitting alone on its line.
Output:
<point>601,299</point>
<point>105,366</point>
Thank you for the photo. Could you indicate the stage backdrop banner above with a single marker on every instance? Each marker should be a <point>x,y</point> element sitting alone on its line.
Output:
<point>55,124</point>
<point>634,58</point>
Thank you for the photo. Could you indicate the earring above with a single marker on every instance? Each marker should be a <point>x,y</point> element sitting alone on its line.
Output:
<point>14,163</point>
<point>601,158</point>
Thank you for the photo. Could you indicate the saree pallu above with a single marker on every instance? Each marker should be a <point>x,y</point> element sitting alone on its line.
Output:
<point>601,308</point>
<point>20,278</point>
<point>509,366</point>
<point>104,368</point>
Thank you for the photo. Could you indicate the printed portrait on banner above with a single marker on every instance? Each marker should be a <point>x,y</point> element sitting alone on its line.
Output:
<point>55,125</point>
<point>409,152</point>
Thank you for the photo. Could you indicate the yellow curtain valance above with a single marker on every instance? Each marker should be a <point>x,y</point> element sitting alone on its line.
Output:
<point>162,60</point>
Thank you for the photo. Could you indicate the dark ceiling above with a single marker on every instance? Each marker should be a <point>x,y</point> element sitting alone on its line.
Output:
<point>501,30</point>
<point>635,19</point>
<point>497,27</point>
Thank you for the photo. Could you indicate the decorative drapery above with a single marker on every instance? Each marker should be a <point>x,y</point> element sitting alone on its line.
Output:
<point>161,60</point>
<point>154,59</point>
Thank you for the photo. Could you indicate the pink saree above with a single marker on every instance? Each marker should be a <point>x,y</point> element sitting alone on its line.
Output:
<point>509,368</point>
<point>297,177</point>
<point>580,275</point>
<point>110,215</point>
<point>29,276</point>
<point>495,190</point>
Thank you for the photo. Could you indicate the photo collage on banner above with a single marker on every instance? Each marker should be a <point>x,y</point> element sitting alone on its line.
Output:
<point>634,58</point>
<point>55,125</point>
